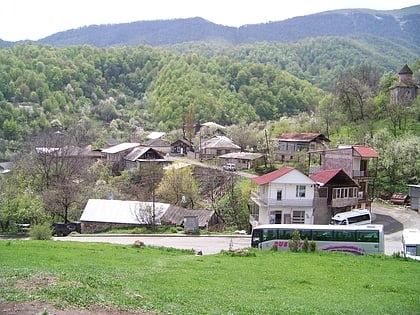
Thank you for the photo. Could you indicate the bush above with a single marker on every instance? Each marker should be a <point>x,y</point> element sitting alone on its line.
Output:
<point>312,246</point>
<point>41,232</point>
<point>305,246</point>
<point>294,242</point>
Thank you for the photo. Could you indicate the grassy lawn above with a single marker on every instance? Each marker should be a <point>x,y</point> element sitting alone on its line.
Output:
<point>169,281</point>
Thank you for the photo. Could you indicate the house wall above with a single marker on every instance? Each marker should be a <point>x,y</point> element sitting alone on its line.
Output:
<point>94,227</point>
<point>267,215</point>
<point>272,210</point>
<point>269,192</point>
<point>322,213</point>
<point>337,159</point>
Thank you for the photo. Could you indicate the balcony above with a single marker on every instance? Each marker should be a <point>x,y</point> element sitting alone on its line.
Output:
<point>264,201</point>
<point>360,174</point>
<point>344,202</point>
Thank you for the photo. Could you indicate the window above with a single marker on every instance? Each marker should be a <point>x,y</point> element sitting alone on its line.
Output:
<point>300,191</point>
<point>298,217</point>
<point>348,192</point>
<point>279,192</point>
<point>367,236</point>
<point>322,235</point>
<point>345,236</point>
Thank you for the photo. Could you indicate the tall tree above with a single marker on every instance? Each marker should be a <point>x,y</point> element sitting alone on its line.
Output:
<point>178,187</point>
<point>355,90</point>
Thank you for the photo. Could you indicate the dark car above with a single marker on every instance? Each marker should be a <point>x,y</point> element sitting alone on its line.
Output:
<point>64,229</point>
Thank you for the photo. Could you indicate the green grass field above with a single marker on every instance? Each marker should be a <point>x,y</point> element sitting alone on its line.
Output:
<point>169,281</point>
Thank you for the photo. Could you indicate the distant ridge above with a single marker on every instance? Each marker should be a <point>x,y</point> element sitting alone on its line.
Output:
<point>397,25</point>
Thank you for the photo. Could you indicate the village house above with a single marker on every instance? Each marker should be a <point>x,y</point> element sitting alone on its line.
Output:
<point>336,192</point>
<point>289,145</point>
<point>142,156</point>
<point>354,160</point>
<point>182,147</point>
<point>216,146</point>
<point>243,160</point>
<point>283,196</point>
<point>104,214</point>
<point>117,152</point>
<point>158,144</point>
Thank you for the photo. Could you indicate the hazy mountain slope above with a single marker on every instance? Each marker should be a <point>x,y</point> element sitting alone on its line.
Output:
<point>402,25</point>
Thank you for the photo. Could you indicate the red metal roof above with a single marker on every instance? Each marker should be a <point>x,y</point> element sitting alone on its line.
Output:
<point>268,178</point>
<point>324,176</point>
<point>366,152</point>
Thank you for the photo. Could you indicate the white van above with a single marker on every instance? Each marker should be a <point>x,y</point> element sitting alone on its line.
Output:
<point>356,217</point>
<point>411,243</point>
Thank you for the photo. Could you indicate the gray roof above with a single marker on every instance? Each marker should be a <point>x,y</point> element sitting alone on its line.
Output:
<point>176,215</point>
<point>121,211</point>
<point>121,147</point>
<point>220,142</point>
<point>242,156</point>
<point>137,153</point>
<point>156,143</point>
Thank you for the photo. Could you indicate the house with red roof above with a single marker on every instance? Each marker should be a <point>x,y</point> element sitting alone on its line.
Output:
<point>289,145</point>
<point>283,196</point>
<point>354,160</point>
<point>336,192</point>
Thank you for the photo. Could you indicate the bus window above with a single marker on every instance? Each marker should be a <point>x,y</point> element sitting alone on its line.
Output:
<point>305,234</point>
<point>367,236</point>
<point>285,234</point>
<point>344,236</point>
<point>322,235</point>
<point>256,238</point>
<point>271,235</point>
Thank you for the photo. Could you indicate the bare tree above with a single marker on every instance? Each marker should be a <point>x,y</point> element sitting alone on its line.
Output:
<point>59,170</point>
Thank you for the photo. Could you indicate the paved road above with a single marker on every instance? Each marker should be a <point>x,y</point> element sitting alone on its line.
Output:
<point>394,219</point>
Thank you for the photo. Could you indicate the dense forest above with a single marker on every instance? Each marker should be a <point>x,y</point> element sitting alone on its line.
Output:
<point>332,85</point>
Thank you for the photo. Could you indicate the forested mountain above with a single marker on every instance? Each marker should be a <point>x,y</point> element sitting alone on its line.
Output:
<point>400,26</point>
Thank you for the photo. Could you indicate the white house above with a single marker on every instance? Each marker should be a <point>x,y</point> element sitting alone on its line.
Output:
<point>283,196</point>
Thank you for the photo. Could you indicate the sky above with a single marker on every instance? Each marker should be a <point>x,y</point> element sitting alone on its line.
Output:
<point>36,19</point>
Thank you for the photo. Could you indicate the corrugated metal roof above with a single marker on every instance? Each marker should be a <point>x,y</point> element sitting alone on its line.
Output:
<point>366,152</point>
<point>156,143</point>
<point>121,211</point>
<point>220,142</point>
<point>155,135</point>
<point>242,155</point>
<point>137,153</point>
<point>324,177</point>
<point>268,178</point>
<point>176,215</point>
<point>302,136</point>
<point>121,147</point>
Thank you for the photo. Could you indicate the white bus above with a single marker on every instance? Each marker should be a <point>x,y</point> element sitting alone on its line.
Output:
<point>355,239</point>
<point>358,217</point>
<point>411,243</point>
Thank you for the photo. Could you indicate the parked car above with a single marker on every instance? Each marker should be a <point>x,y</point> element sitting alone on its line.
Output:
<point>229,167</point>
<point>64,229</point>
